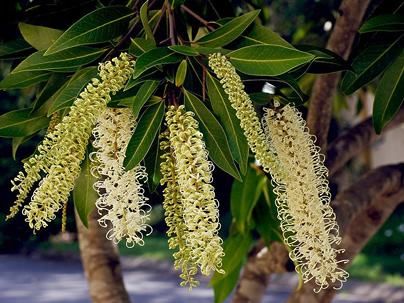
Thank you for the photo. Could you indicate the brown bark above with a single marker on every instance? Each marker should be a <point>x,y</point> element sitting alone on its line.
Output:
<point>262,262</point>
<point>101,263</point>
<point>360,213</point>
<point>340,42</point>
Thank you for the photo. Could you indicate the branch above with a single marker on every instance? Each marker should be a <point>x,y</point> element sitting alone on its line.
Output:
<point>353,141</point>
<point>360,213</point>
<point>340,42</point>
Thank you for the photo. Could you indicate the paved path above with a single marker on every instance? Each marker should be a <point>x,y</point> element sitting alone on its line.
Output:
<point>28,280</point>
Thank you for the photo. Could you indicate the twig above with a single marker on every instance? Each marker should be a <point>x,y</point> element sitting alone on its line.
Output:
<point>171,24</point>
<point>197,17</point>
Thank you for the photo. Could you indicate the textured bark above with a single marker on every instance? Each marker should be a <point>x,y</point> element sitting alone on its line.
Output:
<point>262,262</point>
<point>341,40</point>
<point>101,263</point>
<point>360,213</point>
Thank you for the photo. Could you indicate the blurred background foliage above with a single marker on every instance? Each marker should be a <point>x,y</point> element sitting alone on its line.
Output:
<point>298,21</point>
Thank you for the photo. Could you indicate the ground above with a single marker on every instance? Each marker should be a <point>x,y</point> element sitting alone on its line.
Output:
<point>37,280</point>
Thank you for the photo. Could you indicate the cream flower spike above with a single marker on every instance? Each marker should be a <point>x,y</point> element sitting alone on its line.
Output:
<point>303,199</point>
<point>241,102</point>
<point>59,155</point>
<point>121,203</point>
<point>173,213</point>
<point>194,174</point>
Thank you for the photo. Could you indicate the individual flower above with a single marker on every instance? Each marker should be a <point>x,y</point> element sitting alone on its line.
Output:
<point>241,102</point>
<point>173,213</point>
<point>303,198</point>
<point>193,174</point>
<point>59,155</point>
<point>121,203</point>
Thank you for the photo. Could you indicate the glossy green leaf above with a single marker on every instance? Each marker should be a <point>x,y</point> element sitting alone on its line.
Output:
<point>181,73</point>
<point>40,37</point>
<point>55,82</point>
<point>152,163</point>
<point>139,46</point>
<point>383,23</point>
<point>98,26</point>
<point>66,96</point>
<point>151,74</point>
<point>184,50</point>
<point>260,34</point>
<point>145,22</point>
<point>144,134</point>
<point>236,248</point>
<point>224,287</point>
<point>213,134</point>
<point>293,92</point>
<point>14,48</point>
<point>84,195</point>
<point>227,116</point>
<point>268,60</point>
<point>124,98</point>
<point>20,123</point>
<point>369,63</point>
<point>68,60</point>
<point>144,93</point>
<point>228,32</point>
<point>155,57</point>
<point>389,95</point>
<point>243,198</point>
<point>23,79</point>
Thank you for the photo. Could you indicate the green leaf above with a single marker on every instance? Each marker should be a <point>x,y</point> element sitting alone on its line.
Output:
<point>23,79</point>
<point>243,198</point>
<point>227,116</point>
<point>383,23</point>
<point>369,63</point>
<point>260,34</point>
<point>214,135</point>
<point>267,59</point>
<point>16,142</point>
<point>139,46</point>
<point>155,57</point>
<point>98,26</point>
<point>228,32</point>
<point>55,82</point>
<point>293,92</point>
<point>20,123</point>
<point>144,93</point>
<point>224,287</point>
<point>66,96</point>
<point>124,98</point>
<point>389,94</point>
<point>236,248</point>
<point>152,163</point>
<point>68,60</point>
<point>144,134</point>
<point>184,50</point>
<point>40,37</point>
<point>14,48</point>
<point>84,195</point>
<point>145,22</point>
<point>181,73</point>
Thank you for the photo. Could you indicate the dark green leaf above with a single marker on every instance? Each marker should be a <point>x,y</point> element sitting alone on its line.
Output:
<point>293,92</point>
<point>214,135</point>
<point>389,94</point>
<point>14,48</point>
<point>184,50</point>
<point>155,57</point>
<point>139,46</point>
<point>98,26</point>
<point>369,63</point>
<point>124,98</point>
<point>181,73</point>
<point>20,123</point>
<point>145,22</point>
<point>266,224</point>
<point>227,116</point>
<point>145,92</point>
<point>66,96</point>
<point>16,142</point>
<point>260,34</point>
<point>23,79</point>
<point>228,32</point>
<point>236,248</point>
<point>268,60</point>
<point>84,195</point>
<point>260,98</point>
<point>383,23</point>
<point>143,137</point>
<point>152,163</point>
<point>244,195</point>
<point>68,60</point>
<point>54,83</point>
<point>224,287</point>
<point>40,37</point>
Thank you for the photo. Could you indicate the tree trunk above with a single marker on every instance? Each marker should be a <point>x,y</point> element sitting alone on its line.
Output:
<point>101,263</point>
